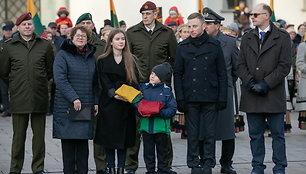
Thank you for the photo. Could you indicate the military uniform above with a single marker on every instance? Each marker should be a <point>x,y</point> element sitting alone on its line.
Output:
<point>150,50</point>
<point>27,65</point>
<point>225,121</point>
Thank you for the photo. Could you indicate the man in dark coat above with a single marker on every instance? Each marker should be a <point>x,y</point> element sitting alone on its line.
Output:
<point>264,62</point>
<point>86,21</point>
<point>200,82</point>
<point>26,62</point>
<point>225,121</point>
<point>152,43</point>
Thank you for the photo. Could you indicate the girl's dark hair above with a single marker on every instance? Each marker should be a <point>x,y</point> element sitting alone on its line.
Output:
<point>129,59</point>
<point>83,29</point>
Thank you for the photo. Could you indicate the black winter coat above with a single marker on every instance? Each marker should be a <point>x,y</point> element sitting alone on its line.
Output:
<point>200,73</point>
<point>116,122</point>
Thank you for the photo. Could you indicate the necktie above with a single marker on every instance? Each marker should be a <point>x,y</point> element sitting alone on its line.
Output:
<point>150,32</point>
<point>262,35</point>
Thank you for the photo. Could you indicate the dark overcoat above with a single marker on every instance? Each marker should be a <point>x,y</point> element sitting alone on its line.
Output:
<point>116,122</point>
<point>151,50</point>
<point>200,72</point>
<point>270,63</point>
<point>225,120</point>
<point>75,78</point>
<point>27,66</point>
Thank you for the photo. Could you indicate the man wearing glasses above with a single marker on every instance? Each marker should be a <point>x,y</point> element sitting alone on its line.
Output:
<point>152,43</point>
<point>264,62</point>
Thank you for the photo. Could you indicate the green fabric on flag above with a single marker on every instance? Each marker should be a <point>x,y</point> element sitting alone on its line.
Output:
<point>39,29</point>
<point>272,18</point>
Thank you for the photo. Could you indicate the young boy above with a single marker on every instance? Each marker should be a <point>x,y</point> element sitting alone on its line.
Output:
<point>155,128</point>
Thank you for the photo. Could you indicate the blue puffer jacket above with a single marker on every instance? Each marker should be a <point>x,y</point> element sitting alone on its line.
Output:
<point>75,78</point>
<point>158,123</point>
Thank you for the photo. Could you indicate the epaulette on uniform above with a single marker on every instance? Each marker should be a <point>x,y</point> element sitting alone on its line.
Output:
<point>8,40</point>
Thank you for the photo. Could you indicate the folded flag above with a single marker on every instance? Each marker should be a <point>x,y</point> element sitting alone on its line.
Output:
<point>147,108</point>
<point>136,100</point>
<point>127,92</point>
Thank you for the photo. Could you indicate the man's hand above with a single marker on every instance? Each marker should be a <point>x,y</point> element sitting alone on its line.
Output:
<point>261,88</point>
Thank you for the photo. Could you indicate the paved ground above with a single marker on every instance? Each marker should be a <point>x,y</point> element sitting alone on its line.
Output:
<point>296,151</point>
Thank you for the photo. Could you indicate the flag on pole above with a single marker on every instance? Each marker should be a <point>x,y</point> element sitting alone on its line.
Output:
<point>39,29</point>
<point>200,6</point>
<point>272,8</point>
<point>113,14</point>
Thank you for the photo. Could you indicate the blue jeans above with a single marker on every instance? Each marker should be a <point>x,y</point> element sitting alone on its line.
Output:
<point>256,123</point>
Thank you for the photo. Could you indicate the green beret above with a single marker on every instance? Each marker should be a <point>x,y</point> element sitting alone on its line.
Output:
<point>122,23</point>
<point>85,16</point>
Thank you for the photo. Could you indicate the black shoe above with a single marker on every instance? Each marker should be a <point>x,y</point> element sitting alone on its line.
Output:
<point>196,170</point>
<point>104,171</point>
<point>130,171</point>
<point>5,114</point>
<point>13,173</point>
<point>169,171</point>
<point>40,172</point>
<point>228,169</point>
<point>207,171</point>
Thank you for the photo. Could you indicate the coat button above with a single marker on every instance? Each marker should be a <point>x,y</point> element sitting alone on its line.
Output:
<point>205,68</point>
<point>257,68</point>
<point>205,78</point>
<point>194,58</point>
<point>206,58</point>
<point>194,79</point>
<point>194,90</point>
<point>194,69</point>
<point>205,90</point>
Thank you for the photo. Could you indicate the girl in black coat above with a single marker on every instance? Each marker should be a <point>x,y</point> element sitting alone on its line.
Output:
<point>116,124</point>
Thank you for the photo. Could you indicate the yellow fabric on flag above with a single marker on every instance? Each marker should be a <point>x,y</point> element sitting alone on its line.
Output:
<point>127,92</point>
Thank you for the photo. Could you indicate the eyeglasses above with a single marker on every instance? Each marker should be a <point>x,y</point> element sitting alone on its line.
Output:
<point>80,36</point>
<point>256,14</point>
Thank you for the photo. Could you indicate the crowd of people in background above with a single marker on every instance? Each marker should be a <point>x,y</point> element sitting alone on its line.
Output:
<point>72,66</point>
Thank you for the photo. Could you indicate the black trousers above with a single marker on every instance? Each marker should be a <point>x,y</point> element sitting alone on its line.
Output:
<point>111,157</point>
<point>75,156</point>
<point>201,126</point>
<point>160,142</point>
<point>227,152</point>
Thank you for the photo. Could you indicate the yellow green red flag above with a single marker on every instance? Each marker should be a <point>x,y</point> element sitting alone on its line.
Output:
<point>39,29</point>
<point>113,14</point>
<point>272,8</point>
<point>200,6</point>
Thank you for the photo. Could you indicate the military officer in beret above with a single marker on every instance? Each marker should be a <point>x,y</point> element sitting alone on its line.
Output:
<point>200,82</point>
<point>26,63</point>
<point>152,43</point>
<point>86,21</point>
<point>225,121</point>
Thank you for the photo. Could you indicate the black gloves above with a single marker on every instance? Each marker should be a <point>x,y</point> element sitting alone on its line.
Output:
<point>251,84</point>
<point>221,105</point>
<point>181,105</point>
<point>260,88</point>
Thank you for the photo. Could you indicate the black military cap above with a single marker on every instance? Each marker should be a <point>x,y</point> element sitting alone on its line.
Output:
<point>211,17</point>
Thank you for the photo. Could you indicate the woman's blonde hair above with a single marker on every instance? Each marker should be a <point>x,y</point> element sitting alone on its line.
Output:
<point>128,58</point>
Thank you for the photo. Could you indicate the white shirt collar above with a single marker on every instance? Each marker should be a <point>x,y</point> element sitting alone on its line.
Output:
<point>148,29</point>
<point>265,30</point>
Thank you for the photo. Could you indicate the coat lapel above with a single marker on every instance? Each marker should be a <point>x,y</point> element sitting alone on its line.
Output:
<point>253,41</point>
<point>271,40</point>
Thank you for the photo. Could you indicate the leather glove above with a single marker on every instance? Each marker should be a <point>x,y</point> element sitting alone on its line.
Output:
<point>221,105</point>
<point>251,84</point>
<point>261,88</point>
<point>181,105</point>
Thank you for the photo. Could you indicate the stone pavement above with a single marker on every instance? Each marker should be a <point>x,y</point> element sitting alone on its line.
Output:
<point>296,151</point>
